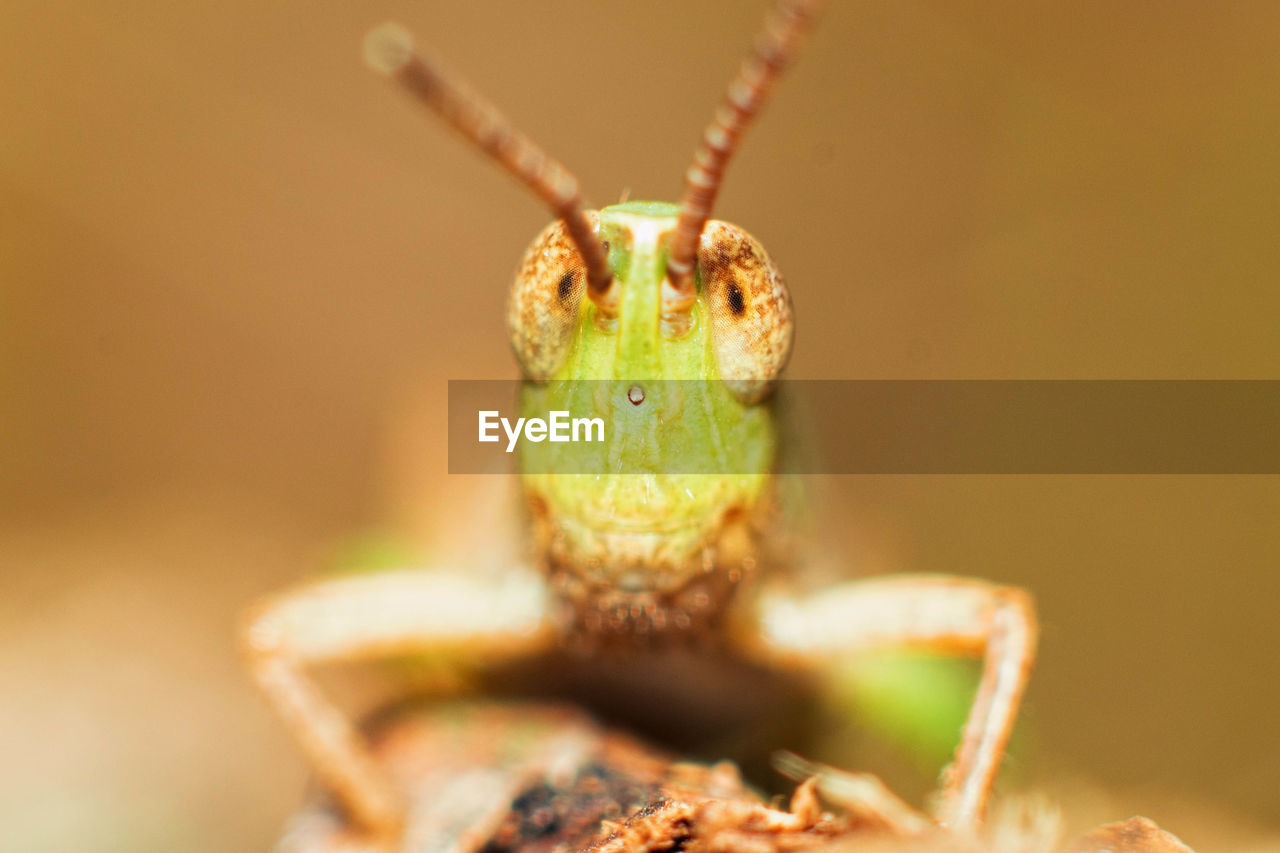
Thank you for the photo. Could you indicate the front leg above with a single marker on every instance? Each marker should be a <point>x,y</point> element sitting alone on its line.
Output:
<point>376,615</point>
<point>946,614</point>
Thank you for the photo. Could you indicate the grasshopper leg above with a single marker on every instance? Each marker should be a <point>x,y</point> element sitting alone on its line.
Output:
<point>952,615</point>
<point>366,616</point>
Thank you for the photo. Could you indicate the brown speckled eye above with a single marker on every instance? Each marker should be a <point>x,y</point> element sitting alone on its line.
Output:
<point>542,310</point>
<point>751,320</point>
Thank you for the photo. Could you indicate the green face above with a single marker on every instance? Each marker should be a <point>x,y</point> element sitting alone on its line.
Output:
<point>650,529</point>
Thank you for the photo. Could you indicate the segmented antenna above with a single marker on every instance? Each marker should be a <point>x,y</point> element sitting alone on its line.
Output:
<point>771,54</point>
<point>389,49</point>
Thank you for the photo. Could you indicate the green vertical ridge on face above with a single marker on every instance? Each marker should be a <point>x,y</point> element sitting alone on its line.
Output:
<point>640,314</point>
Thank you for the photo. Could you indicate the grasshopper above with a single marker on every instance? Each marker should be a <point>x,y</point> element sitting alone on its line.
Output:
<point>636,291</point>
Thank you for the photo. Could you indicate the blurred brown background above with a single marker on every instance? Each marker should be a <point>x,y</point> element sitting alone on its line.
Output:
<point>236,270</point>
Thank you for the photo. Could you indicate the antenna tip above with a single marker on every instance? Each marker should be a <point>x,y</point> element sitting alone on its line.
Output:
<point>388,47</point>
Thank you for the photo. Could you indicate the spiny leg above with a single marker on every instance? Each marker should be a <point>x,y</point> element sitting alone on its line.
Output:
<point>946,614</point>
<point>369,616</point>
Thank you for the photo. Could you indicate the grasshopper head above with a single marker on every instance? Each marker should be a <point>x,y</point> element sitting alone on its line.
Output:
<point>664,528</point>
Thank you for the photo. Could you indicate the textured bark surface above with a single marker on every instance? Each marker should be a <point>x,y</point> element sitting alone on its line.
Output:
<point>494,778</point>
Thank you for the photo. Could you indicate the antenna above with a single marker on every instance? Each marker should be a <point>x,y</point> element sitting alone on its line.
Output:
<point>389,49</point>
<point>773,51</point>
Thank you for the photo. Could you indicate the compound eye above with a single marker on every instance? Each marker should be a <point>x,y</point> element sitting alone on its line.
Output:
<point>542,311</point>
<point>750,307</point>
